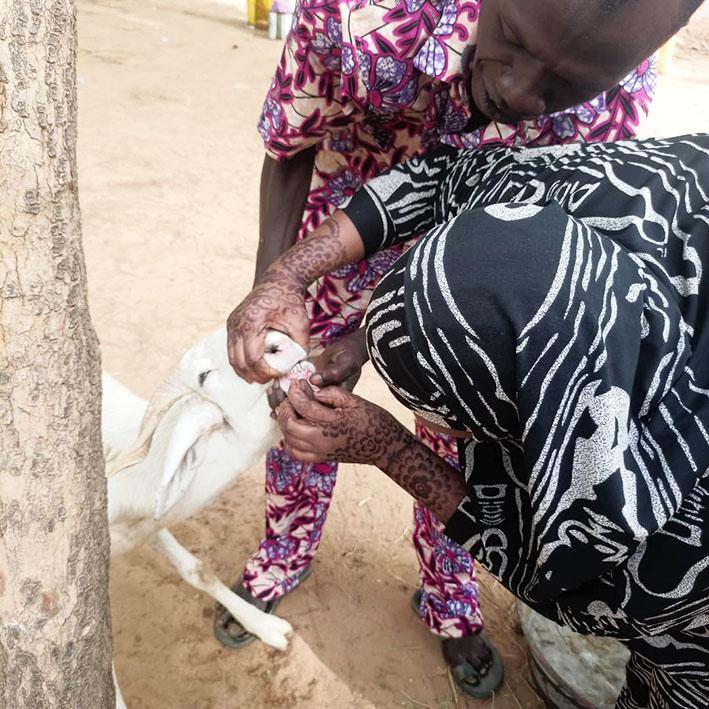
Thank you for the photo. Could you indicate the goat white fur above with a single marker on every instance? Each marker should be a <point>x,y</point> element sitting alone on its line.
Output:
<point>168,459</point>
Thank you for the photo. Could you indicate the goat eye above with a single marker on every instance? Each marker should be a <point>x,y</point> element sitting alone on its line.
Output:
<point>202,377</point>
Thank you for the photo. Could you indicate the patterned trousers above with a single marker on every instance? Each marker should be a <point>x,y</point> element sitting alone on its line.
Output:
<point>298,497</point>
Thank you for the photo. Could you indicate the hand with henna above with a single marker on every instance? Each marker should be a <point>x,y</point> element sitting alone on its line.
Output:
<point>278,301</point>
<point>333,424</point>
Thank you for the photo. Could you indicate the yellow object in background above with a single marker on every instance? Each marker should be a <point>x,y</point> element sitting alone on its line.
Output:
<point>665,56</point>
<point>257,13</point>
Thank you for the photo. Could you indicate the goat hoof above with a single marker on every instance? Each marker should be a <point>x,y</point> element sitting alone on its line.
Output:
<point>276,633</point>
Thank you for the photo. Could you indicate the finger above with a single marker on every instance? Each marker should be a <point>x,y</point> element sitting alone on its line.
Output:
<point>231,352</point>
<point>296,326</point>
<point>316,379</point>
<point>304,449</point>
<point>334,398</point>
<point>305,437</point>
<point>240,362</point>
<point>275,395</point>
<point>300,396</point>
<point>253,355</point>
<point>302,456</point>
<point>301,332</point>
<point>284,413</point>
<point>303,431</point>
<point>334,373</point>
<point>303,445</point>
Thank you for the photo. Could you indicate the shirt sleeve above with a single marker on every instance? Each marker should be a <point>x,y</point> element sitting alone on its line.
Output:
<point>402,203</point>
<point>304,101</point>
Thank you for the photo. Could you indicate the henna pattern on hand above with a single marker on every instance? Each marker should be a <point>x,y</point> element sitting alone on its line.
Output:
<point>366,434</point>
<point>272,300</point>
<point>384,442</point>
<point>279,299</point>
<point>363,432</point>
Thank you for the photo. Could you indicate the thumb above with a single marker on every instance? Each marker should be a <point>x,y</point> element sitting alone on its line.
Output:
<point>332,373</point>
<point>335,397</point>
<point>296,327</point>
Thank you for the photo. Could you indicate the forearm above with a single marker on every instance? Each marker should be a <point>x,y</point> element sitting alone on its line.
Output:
<point>284,191</point>
<point>425,476</point>
<point>333,424</point>
<point>335,243</point>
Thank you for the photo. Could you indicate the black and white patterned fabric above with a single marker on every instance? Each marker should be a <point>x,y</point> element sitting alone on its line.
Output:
<point>557,310</point>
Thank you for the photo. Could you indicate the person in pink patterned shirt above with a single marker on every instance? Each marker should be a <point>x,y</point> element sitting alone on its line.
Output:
<point>363,85</point>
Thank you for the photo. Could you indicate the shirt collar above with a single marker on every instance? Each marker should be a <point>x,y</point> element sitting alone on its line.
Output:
<point>442,53</point>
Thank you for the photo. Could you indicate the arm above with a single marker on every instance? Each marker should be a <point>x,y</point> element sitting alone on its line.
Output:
<point>403,202</point>
<point>278,301</point>
<point>303,105</point>
<point>284,191</point>
<point>392,208</point>
<point>333,424</point>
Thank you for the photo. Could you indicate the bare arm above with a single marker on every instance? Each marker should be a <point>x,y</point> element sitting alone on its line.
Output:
<point>283,194</point>
<point>369,223</point>
<point>335,425</point>
<point>278,301</point>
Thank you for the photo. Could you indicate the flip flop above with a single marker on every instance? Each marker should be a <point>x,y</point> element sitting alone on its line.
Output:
<point>480,683</point>
<point>245,638</point>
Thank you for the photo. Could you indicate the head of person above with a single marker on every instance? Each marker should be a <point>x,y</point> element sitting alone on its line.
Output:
<point>540,56</point>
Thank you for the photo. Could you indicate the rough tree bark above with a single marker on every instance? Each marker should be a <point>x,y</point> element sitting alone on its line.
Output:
<point>55,641</point>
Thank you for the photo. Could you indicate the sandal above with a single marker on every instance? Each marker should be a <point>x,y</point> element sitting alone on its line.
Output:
<point>478,682</point>
<point>242,637</point>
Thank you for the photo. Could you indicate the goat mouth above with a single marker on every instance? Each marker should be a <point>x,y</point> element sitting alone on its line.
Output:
<point>303,370</point>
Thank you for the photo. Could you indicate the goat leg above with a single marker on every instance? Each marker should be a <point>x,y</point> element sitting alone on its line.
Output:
<point>120,704</point>
<point>269,628</point>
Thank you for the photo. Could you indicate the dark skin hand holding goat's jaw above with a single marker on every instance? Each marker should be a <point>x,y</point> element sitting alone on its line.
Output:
<point>333,424</point>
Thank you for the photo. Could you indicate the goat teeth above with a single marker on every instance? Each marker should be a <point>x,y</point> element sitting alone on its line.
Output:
<point>302,370</point>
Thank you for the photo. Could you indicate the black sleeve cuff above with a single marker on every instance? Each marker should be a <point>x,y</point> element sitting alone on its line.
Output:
<point>371,220</point>
<point>461,526</point>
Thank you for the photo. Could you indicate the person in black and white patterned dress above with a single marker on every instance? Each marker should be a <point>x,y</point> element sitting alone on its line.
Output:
<point>555,317</point>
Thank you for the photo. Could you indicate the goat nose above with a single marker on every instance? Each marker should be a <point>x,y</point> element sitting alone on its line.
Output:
<point>280,352</point>
<point>202,376</point>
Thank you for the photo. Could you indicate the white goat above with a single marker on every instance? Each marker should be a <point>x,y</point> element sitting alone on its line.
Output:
<point>201,429</point>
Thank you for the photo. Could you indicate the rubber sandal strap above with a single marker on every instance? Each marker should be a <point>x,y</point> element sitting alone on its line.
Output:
<point>244,637</point>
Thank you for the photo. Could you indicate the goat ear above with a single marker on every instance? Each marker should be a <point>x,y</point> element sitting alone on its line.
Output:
<point>196,420</point>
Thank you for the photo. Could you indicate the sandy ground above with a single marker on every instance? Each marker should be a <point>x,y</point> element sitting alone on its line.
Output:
<point>169,162</point>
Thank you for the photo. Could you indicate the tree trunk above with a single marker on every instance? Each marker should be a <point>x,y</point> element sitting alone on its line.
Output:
<point>55,640</point>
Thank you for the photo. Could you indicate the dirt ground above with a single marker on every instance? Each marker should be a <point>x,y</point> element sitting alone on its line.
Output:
<point>169,164</point>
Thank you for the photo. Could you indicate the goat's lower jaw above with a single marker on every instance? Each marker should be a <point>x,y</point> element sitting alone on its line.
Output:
<point>302,370</point>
